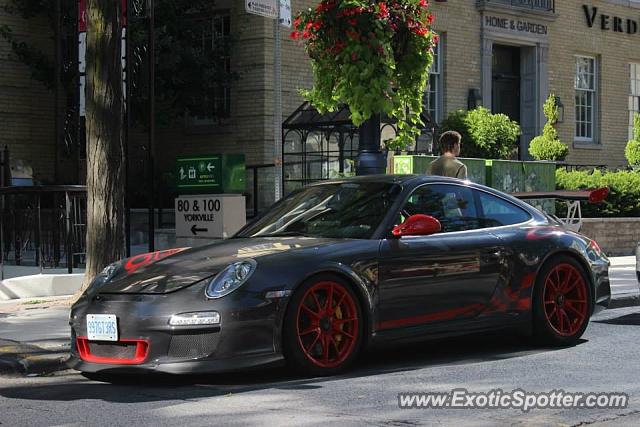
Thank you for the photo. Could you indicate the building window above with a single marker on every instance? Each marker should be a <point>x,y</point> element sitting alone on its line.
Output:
<point>433,96</point>
<point>215,104</point>
<point>586,96</point>
<point>634,94</point>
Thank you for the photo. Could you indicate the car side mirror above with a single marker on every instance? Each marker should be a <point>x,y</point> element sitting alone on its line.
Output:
<point>417,225</point>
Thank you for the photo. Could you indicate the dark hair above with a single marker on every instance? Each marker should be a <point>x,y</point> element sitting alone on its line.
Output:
<point>449,139</point>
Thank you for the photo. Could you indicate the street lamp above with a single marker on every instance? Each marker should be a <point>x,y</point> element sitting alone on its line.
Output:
<point>560,106</point>
<point>474,99</point>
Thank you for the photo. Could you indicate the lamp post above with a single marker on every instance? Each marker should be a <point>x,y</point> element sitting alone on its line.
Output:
<point>370,160</point>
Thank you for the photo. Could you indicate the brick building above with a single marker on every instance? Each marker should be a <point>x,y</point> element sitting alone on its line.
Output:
<point>507,55</point>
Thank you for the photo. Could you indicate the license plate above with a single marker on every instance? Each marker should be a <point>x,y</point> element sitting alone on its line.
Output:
<point>102,327</point>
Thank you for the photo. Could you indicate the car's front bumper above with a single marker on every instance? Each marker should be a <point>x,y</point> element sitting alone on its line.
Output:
<point>248,334</point>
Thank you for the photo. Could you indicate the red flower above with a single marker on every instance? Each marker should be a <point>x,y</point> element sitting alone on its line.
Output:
<point>352,22</point>
<point>421,31</point>
<point>430,19</point>
<point>384,11</point>
<point>436,39</point>
<point>306,34</point>
<point>317,25</point>
<point>296,22</point>
<point>424,3</point>
<point>294,35</point>
<point>308,25</point>
<point>354,56</point>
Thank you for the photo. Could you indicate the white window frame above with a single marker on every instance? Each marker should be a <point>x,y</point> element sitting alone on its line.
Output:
<point>593,92</point>
<point>634,93</point>
<point>436,71</point>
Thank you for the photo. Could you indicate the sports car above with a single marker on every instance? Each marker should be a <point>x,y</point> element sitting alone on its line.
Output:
<point>336,267</point>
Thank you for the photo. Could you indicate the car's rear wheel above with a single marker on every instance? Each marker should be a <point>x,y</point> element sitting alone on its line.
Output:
<point>323,326</point>
<point>561,307</point>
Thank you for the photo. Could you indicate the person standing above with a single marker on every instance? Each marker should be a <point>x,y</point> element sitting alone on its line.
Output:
<point>447,164</point>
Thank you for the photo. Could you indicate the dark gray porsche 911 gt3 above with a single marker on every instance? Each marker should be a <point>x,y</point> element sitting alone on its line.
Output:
<point>337,266</point>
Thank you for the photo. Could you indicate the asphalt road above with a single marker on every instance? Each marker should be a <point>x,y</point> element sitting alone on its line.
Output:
<point>607,359</point>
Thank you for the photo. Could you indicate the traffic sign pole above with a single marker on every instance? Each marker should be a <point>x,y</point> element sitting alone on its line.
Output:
<point>277,99</point>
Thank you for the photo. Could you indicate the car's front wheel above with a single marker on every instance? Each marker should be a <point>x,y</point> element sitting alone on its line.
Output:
<point>323,328</point>
<point>561,303</point>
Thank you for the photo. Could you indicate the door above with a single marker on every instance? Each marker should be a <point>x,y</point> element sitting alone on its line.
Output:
<point>446,276</point>
<point>529,99</point>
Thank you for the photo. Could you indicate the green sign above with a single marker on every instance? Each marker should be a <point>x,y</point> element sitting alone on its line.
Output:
<point>199,172</point>
<point>217,173</point>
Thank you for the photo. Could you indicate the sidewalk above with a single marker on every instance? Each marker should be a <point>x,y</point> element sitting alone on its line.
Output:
<point>34,336</point>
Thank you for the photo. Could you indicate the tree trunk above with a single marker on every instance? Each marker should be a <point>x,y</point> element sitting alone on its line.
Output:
<point>105,148</point>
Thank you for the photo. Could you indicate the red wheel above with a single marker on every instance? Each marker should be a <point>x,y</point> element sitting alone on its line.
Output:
<point>562,302</point>
<point>324,326</point>
<point>565,299</point>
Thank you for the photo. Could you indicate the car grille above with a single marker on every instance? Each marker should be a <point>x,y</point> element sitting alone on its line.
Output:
<point>115,350</point>
<point>192,345</point>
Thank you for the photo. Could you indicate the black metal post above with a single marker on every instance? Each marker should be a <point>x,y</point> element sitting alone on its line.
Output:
<point>370,160</point>
<point>56,78</point>
<point>68,239</point>
<point>127,120</point>
<point>39,230</point>
<point>255,192</point>
<point>151,148</point>
<point>6,167</point>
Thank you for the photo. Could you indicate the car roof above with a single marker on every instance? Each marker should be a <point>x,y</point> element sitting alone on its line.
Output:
<point>394,179</point>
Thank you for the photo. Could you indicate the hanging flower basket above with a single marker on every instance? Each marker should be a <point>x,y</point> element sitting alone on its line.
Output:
<point>372,56</point>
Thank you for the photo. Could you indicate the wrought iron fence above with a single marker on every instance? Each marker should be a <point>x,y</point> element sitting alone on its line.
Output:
<point>43,226</point>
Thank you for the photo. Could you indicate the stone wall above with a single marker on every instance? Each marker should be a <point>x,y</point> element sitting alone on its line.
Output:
<point>616,236</point>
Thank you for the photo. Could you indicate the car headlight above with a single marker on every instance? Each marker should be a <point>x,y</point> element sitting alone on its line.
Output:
<point>231,278</point>
<point>103,277</point>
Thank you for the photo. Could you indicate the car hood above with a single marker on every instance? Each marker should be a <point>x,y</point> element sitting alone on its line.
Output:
<point>167,271</point>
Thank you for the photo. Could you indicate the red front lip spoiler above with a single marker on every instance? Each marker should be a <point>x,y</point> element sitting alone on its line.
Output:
<point>142,350</point>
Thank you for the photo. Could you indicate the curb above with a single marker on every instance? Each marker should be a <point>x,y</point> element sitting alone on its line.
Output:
<point>20,359</point>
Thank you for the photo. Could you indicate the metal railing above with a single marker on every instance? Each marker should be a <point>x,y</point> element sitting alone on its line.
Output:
<point>5,167</point>
<point>542,5</point>
<point>43,226</point>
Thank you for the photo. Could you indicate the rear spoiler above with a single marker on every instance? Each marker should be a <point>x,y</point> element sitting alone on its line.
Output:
<point>573,220</point>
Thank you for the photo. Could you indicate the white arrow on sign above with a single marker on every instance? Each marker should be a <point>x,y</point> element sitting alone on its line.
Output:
<point>210,167</point>
<point>285,13</point>
<point>266,8</point>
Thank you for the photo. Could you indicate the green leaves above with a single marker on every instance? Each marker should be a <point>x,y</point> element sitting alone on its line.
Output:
<point>624,191</point>
<point>485,135</point>
<point>548,146</point>
<point>632,150</point>
<point>373,57</point>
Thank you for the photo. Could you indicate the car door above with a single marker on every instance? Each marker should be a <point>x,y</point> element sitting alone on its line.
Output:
<point>450,275</point>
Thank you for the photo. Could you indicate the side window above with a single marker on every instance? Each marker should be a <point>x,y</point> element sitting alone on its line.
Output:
<point>452,205</point>
<point>497,212</point>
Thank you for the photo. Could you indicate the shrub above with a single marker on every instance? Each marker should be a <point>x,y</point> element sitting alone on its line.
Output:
<point>485,135</point>
<point>632,150</point>
<point>547,146</point>
<point>624,191</point>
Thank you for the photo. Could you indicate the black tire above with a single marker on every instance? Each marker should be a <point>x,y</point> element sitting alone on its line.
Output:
<point>343,348</point>
<point>555,328</point>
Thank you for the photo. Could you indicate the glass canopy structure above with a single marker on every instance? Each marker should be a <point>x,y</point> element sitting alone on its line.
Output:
<point>324,146</point>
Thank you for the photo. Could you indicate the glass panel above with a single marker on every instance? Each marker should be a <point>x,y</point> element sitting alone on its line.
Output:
<point>498,212</point>
<point>452,205</point>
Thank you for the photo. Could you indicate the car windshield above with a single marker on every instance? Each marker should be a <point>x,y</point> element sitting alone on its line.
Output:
<point>337,210</point>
